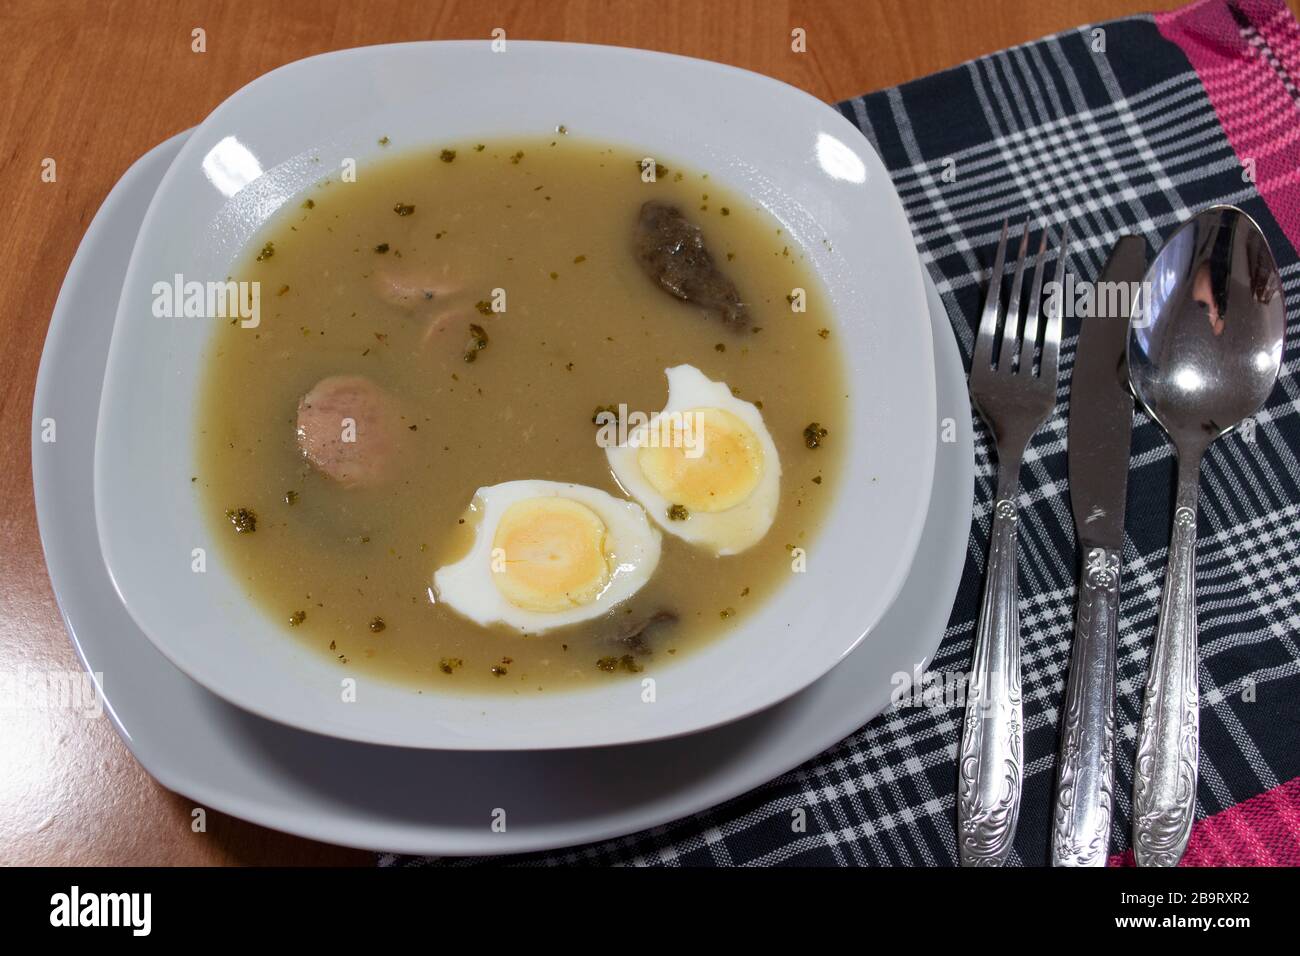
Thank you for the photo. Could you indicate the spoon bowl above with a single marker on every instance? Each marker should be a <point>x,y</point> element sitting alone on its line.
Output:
<point>1205,346</point>
<point>1204,350</point>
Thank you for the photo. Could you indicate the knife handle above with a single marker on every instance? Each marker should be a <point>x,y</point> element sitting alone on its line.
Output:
<point>1085,769</point>
<point>991,763</point>
<point>1164,784</point>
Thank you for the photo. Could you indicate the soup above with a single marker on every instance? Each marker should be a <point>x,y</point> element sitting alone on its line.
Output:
<point>496,316</point>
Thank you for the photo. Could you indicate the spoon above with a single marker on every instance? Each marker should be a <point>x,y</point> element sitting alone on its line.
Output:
<point>1204,350</point>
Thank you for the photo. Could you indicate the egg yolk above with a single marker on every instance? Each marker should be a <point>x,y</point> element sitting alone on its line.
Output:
<point>548,554</point>
<point>706,459</point>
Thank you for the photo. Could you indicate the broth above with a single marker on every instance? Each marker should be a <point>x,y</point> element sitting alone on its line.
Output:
<point>549,221</point>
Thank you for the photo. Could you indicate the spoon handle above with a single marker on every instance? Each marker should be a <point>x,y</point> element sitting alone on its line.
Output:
<point>990,765</point>
<point>1085,769</point>
<point>1164,792</point>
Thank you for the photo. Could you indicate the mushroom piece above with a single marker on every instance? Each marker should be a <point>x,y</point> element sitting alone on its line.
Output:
<point>671,250</point>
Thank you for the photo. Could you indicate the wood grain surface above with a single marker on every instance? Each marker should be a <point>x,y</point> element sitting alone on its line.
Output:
<point>94,85</point>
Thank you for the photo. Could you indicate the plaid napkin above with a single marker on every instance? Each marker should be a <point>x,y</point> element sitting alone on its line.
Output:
<point>1125,127</point>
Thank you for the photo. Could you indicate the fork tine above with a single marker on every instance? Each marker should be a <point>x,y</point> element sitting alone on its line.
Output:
<point>1052,331</point>
<point>983,356</point>
<point>1030,338</point>
<point>1011,330</point>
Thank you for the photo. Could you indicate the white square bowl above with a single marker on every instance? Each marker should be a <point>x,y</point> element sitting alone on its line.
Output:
<point>279,135</point>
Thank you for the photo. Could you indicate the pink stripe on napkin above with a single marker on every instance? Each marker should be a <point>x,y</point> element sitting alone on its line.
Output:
<point>1261,831</point>
<point>1246,53</point>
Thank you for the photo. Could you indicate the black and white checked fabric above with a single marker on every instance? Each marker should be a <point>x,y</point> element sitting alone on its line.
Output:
<point>1113,142</point>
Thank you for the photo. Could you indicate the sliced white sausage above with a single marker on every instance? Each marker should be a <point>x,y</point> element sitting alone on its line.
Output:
<point>348,428</point>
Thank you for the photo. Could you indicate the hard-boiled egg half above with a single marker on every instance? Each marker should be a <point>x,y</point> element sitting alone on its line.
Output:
<point>705,467</point>
<point>548,553</point>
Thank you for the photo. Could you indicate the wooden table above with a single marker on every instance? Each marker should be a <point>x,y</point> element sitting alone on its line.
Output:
<point>94,85</point>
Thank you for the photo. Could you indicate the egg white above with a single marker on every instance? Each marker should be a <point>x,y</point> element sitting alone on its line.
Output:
<point>631,543</point>
<point>722,532</point>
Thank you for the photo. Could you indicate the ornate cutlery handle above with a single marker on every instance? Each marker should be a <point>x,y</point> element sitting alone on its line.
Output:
<point>991,763</point>
<point>1164,792</point>
<point>1085,771</point>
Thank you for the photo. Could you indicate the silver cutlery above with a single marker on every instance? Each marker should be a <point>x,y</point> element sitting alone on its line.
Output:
<point>1204,352</point>
<point>1101,424</point>
<point>1014,395</point>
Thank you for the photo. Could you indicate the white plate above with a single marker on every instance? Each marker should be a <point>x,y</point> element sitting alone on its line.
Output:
<point>427,801</point>
<point>801,159</point>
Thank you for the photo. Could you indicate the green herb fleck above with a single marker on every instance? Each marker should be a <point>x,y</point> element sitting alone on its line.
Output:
<point>447,155</point>
<point>813,435</point>
<point>627,662</point>
<point>403,209</point>
<point>244,520</point>
<point>267,252</point>
<point>478,341</point>
<point>678,513</point>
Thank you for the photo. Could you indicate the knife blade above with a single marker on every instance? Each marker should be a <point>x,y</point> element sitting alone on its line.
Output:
<point>1101,405</point>
<point>1097,456</point>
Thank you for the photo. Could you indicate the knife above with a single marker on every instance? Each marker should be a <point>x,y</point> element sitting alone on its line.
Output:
<point>1100,428</point>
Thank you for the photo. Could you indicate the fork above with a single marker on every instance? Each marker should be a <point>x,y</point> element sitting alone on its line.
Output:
<point>1014,399</point>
